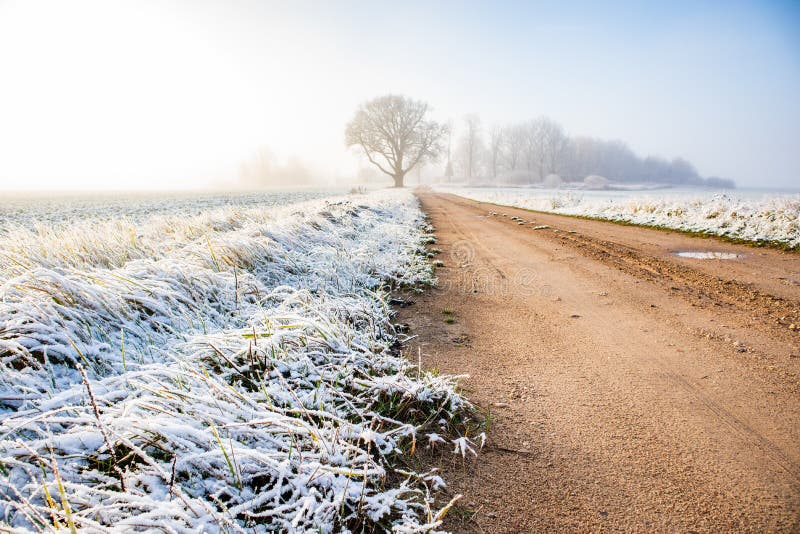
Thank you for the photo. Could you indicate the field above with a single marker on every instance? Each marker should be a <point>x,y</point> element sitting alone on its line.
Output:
<point>747,216</point>
<point>216,364</point>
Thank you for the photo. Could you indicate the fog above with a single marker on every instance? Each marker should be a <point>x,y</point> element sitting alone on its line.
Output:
<point>247,94</point>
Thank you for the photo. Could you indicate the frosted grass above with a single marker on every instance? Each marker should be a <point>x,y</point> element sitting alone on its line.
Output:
<point>226,371</point>
<point>33,210</point>
<point>769,218</point>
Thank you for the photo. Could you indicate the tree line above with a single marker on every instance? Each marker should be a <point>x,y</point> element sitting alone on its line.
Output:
<point>539,150</point>
<point>396,135</point>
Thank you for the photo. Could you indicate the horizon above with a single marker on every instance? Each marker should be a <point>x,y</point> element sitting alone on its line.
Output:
<point>96,107</point>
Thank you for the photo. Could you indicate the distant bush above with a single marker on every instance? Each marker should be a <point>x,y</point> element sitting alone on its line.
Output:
<point>721,183</point>
<point>594,181</point>
<point>517,177</point>
<point>553,181</point>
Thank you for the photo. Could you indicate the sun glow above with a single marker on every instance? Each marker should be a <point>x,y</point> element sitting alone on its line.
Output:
<point>136,95</point>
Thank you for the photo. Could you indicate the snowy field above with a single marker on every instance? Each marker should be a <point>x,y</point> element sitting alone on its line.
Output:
<point>747,215</point>
<point>33,209</point>
<point>216,364</point>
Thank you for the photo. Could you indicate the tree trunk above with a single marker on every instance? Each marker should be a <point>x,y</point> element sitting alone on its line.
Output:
<point>398,179</point>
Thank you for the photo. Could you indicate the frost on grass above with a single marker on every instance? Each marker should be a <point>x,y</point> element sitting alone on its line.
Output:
<point>773,218</point>
<point>228,371</point>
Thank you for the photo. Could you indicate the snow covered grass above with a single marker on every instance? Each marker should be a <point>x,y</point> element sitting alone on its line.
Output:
<point>772,218</point>
<point>226,371</point>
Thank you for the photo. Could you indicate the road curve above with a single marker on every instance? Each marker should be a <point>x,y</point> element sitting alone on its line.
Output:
<point>629,389</point>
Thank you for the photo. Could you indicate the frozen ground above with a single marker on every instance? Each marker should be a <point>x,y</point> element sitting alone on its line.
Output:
<point>749,216</point>
<point>34,209</point>
<point>216,368</point>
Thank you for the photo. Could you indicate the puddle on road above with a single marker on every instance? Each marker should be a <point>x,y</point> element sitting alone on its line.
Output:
<point>708,255</point>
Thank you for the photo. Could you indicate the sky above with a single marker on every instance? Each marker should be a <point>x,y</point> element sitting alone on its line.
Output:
<point>177,94</point>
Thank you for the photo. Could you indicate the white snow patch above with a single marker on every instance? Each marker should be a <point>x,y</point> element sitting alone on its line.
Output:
<point>708,255</point>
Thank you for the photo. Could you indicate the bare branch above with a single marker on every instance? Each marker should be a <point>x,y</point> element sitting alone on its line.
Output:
<point>394,134</point>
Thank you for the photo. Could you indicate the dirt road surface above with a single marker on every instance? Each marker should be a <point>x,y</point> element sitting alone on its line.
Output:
<point>629,389</point>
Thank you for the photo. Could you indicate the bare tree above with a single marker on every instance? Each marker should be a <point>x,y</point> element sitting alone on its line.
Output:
<point>513,144</point>
<point>552,144</point>
<point>418,171</point>
<point>543,146</point>
<point>530,147</point>
<point>448,170</point>
<point>471,144</point>
<point>395,134</point>
<point>496,139</point>
<point>264,168</point>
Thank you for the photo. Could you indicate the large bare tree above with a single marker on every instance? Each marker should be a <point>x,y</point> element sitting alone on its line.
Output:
<point>395,134</point>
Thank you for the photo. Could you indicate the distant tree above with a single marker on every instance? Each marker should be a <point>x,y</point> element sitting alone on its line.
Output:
<point>471,144</point>
<point>395,134</point>
<point>495,149</point>
<point>539,150</point>
<point>265,169</point>
<point>683,172</point>
<point>552,144</point>
<point>543,148</point>
<point>418,171</point>
<point>530,146</point>
<point>448,170</point>
<point>512,145</point>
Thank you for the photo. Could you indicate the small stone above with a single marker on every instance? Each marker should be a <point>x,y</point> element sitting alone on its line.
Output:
<point>491,515</point>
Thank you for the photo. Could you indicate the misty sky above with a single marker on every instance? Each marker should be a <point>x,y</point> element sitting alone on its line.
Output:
<point>173,94</point>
